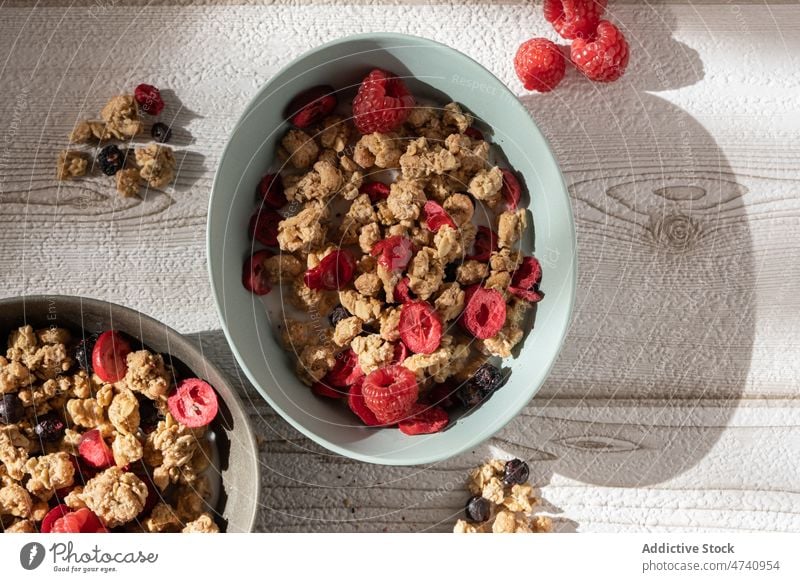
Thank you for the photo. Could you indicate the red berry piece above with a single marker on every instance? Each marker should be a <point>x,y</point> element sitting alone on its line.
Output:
<point>402,292</point>
<point>526,279</point>
<point>326,391</point>
<point>52,516</point>
<point>603,57</point>
<point>311,106</point>
<point>484,312</point>
<point>529,295</point>
<point>79,521</point>
<point>394,252</point>
<point>264,226</point>
<point>334,271</point>
<point>485,244</point>
<point>400,353</point>
<point>539,64</point>
<point>424,420</point>
<point>254,275</point>
<point>382,104</point>
<point>512,191</point>
<point>390,393</point>
<point>376,191</point>
<point>436,216</point>
<point>357,403</point>
<point>94,451</point>
<point>420,327</point>
<point>270,190</point>
<point>574,18</point>
<point>194,403</point>
<point>148,98</point>
<point>474,133</point>
<point>345,371</point>
<point>110,356</point>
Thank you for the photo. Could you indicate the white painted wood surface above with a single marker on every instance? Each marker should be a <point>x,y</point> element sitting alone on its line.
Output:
<point>674,405</point>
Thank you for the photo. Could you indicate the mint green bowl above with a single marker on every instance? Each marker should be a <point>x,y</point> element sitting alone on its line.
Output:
<point>435,72</point>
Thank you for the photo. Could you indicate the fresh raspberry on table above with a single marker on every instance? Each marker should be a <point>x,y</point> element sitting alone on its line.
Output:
<point>382,104</point>
<point>574,18</point>
<point>604,56</point>
<point>539,64</point>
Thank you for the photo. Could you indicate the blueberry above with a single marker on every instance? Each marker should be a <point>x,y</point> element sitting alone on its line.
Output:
<point>11,409</point>
<point>487,378</point>
<point>148,413</point>
<point>50,427</point>
<point>161,132</point>
<point>469,395</point>
<point>83,352</point>
<point>516,472</point>
<point>111,159</point>
<point>450,272</point>
<point>478,509</point>
<point>338,314</point>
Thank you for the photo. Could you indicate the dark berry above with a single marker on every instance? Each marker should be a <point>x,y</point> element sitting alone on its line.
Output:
<point>338,314</point>
<point>487,378</point>
<point>50,427</point>
<point>83,352</point>
<point>450,272</point>
<point>148,413</point>
<point>478,509</point>
<point>111,159</point>
<point>11,409</point>
<point>161,132</point>
<point>516,472</point>
<point>470,395</point>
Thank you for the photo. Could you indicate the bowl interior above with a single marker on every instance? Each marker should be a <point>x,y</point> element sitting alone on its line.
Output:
<point>433,72</point>
<point>234,473</point>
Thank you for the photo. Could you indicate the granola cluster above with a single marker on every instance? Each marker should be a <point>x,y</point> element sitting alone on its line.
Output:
<point>112,448</point>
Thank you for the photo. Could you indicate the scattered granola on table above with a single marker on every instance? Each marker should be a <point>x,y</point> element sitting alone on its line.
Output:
<point>93,434</point>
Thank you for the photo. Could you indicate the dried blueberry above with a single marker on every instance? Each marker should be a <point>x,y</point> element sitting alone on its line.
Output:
<point>487,378</point>
<point>478,509</point>
<point>338,314</point>
<point>516,472</point>
<point>50,427</point>
<point>469,395</point>
<point>111,159</point>
<point>148,413</point>
<point>83,352</point>
<point>161,132</point>
<point>11,409</point>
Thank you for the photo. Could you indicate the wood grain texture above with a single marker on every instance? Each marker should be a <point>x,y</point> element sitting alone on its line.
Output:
<point>674,404</point>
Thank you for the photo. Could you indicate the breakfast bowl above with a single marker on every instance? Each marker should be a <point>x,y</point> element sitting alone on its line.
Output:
<point>434,74</point>
<point>229,471</point>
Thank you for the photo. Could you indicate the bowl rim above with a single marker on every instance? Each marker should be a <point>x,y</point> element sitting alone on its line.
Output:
<point>174,338</point>
<point>422,459</point>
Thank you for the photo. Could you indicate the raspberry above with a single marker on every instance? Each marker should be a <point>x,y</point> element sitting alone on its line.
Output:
<point>436,216</point>
<point>402,293</point>
<point>376,191</point>
<point>604,57</point>
<point>526,279</point>
<point>574,18</point>
<point>424,420</point>
<point>264,226</point>
<point>52,516</point>
<point>148,98</point>
<point>400,353</point>
<point>485,244</point>
<point>80,521</point>
<point>357,403</point>
<point>270,190</point>
<point>334,271</point>
<point>311,106</point>
<point>345,371</point>
<point>394,252</point>
<point>539,64</point>
<point>94,450</point>
<point>390,393</point>
<point>382,104</point>
<point>484,312</point>
<point>420,327</point>
<point>512,191</point>
<point>194,403</point>
<point>254,276</point>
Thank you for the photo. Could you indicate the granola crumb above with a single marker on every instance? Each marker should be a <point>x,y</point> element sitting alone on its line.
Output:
<point>128,182</point>
<point>156,164</point>
<point>71,164</point>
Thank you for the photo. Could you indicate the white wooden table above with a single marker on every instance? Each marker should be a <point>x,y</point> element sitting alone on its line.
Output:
<point>674,405</point>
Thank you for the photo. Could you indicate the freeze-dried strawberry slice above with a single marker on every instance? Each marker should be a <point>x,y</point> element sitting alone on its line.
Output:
<point>194,403</point>
<point>94,451</point>
<point>334,271</point>
<point>376,191</point>
<point>323,389</point>
<point>512,191</point>
<point>311,106</point>
<point>110,356</point>
<point>526,279</point>
<point>345,371</point>
<point>424,420</point>
<point>254,275</point>
<point>52,516</point>
<point>264,226</point>
<point>402,292</point>
<point>382,104</point>
<point>420,327</point>
<point>485,244</point>
<point>530,295</point>
<point>484,312</point>
<point>270,190</point>
<point>394,252</point>
<point>436,216</point>
<point>357,403</point>
<point>400,353</point>
<point>390,393</point>
<point>80,521</point>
